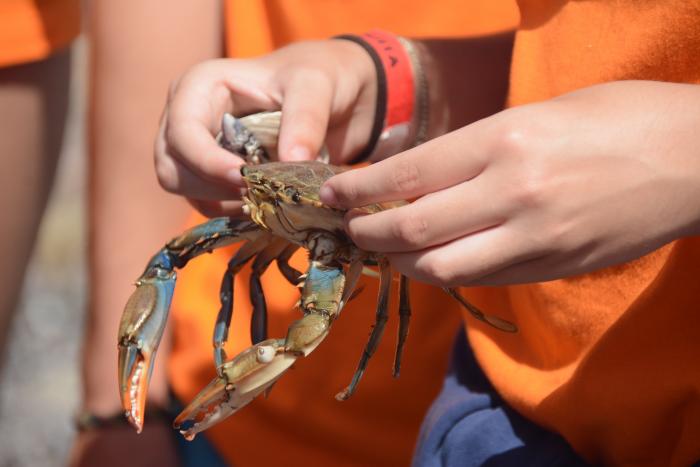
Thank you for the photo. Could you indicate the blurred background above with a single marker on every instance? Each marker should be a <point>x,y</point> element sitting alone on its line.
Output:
<point>39,384</point>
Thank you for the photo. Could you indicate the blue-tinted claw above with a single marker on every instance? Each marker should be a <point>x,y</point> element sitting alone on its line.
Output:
<point>140,331</point>
<point>146,312</point>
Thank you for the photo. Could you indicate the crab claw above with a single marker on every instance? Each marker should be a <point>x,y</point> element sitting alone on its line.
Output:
<point>140,330</point>
<point>240,380</point>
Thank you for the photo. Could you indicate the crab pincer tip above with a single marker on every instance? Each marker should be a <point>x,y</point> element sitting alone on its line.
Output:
<point>134,419</point>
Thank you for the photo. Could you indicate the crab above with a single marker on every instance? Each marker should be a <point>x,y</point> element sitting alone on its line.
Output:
<point>283,213</point>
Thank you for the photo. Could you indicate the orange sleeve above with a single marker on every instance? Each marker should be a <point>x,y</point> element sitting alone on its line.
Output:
<point>32,30</point>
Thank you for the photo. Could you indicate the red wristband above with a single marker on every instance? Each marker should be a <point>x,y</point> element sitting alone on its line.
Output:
<point>398,80</point>
<point>400,95</point>
<point>400,91</point>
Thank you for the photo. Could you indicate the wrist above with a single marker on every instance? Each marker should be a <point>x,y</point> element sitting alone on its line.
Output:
<point>357,63</point>
<point>438,114</point>
<point>402,101</point>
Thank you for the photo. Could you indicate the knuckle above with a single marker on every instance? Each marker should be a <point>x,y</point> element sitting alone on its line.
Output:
<point>514,138</point>
<point>529,192</point>
<point>411,230</point>
<point>406,177</point>
<point>440,270</point>
<point>166,174</point>
<point>173,130</point>
<point>311,75</point>
<point>518,144</point>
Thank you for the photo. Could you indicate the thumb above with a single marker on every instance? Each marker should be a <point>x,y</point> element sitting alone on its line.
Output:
<point>305,113</point>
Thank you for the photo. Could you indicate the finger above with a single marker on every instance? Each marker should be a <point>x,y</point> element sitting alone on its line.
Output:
<point>194,146</point>
<point>466,260</point>
<point>305,114</point>
<point>437,164</point>
<point>175,177</point>
<point>431,220</point>
<point>193,117</point>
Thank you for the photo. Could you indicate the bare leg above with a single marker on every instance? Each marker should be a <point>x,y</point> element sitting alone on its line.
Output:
<point>377,331</point>
<point>137,48</point>
<point>33,104</point>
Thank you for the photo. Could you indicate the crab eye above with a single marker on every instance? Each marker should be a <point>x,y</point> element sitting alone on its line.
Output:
<point>292,193</point>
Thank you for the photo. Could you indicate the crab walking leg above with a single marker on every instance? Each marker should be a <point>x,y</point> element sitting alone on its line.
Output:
<point>376,335</point>
<point>223,318</point>
<point>241,380</point>
<point>404,320</point>
<point>258,321</point>
<point>292,275</point>
<point>257,368</point>
<point>353,275</point>
<point>494,321</point>
<point>146,312</point>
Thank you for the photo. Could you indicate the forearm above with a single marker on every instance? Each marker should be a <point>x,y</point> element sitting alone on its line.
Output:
<point>133,62</point>
<point>467,78</point>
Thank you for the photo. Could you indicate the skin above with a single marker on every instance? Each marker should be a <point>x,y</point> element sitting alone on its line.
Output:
<point>600,175</point>
<point>33,99</point>
<point>132,64</point>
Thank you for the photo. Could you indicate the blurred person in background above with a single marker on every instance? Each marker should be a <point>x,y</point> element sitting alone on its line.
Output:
<point>137,48</point>
<point>35,73</point>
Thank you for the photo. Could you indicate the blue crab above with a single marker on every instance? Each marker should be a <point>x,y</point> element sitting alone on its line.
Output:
<point>284,213</point>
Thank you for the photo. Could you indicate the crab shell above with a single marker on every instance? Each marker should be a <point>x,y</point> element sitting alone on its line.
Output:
<point>283,197</point>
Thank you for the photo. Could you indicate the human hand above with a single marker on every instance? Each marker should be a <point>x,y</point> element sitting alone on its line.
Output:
<point>120,445</point>
<point>326,89</point>
<point>544,191</point>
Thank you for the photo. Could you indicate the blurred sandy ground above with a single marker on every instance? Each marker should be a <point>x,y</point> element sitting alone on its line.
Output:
<point>39,387</point>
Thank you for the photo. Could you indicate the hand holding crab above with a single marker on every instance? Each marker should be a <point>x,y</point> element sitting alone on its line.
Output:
<point>285,214</point>
<point>534,193</point>
<point>328,87</point>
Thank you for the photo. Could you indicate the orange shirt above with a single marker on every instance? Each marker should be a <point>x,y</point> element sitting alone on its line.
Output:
<point>31,30</point>
<point>611,360</point>
<point>301,423</point>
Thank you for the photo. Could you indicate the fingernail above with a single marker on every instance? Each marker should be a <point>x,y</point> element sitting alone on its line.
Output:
<point>327,196</point>
<point>299,153</point>
<point>235,177</point>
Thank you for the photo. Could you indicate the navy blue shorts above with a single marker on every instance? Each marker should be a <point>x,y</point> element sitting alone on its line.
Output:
<point>470,425</point>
